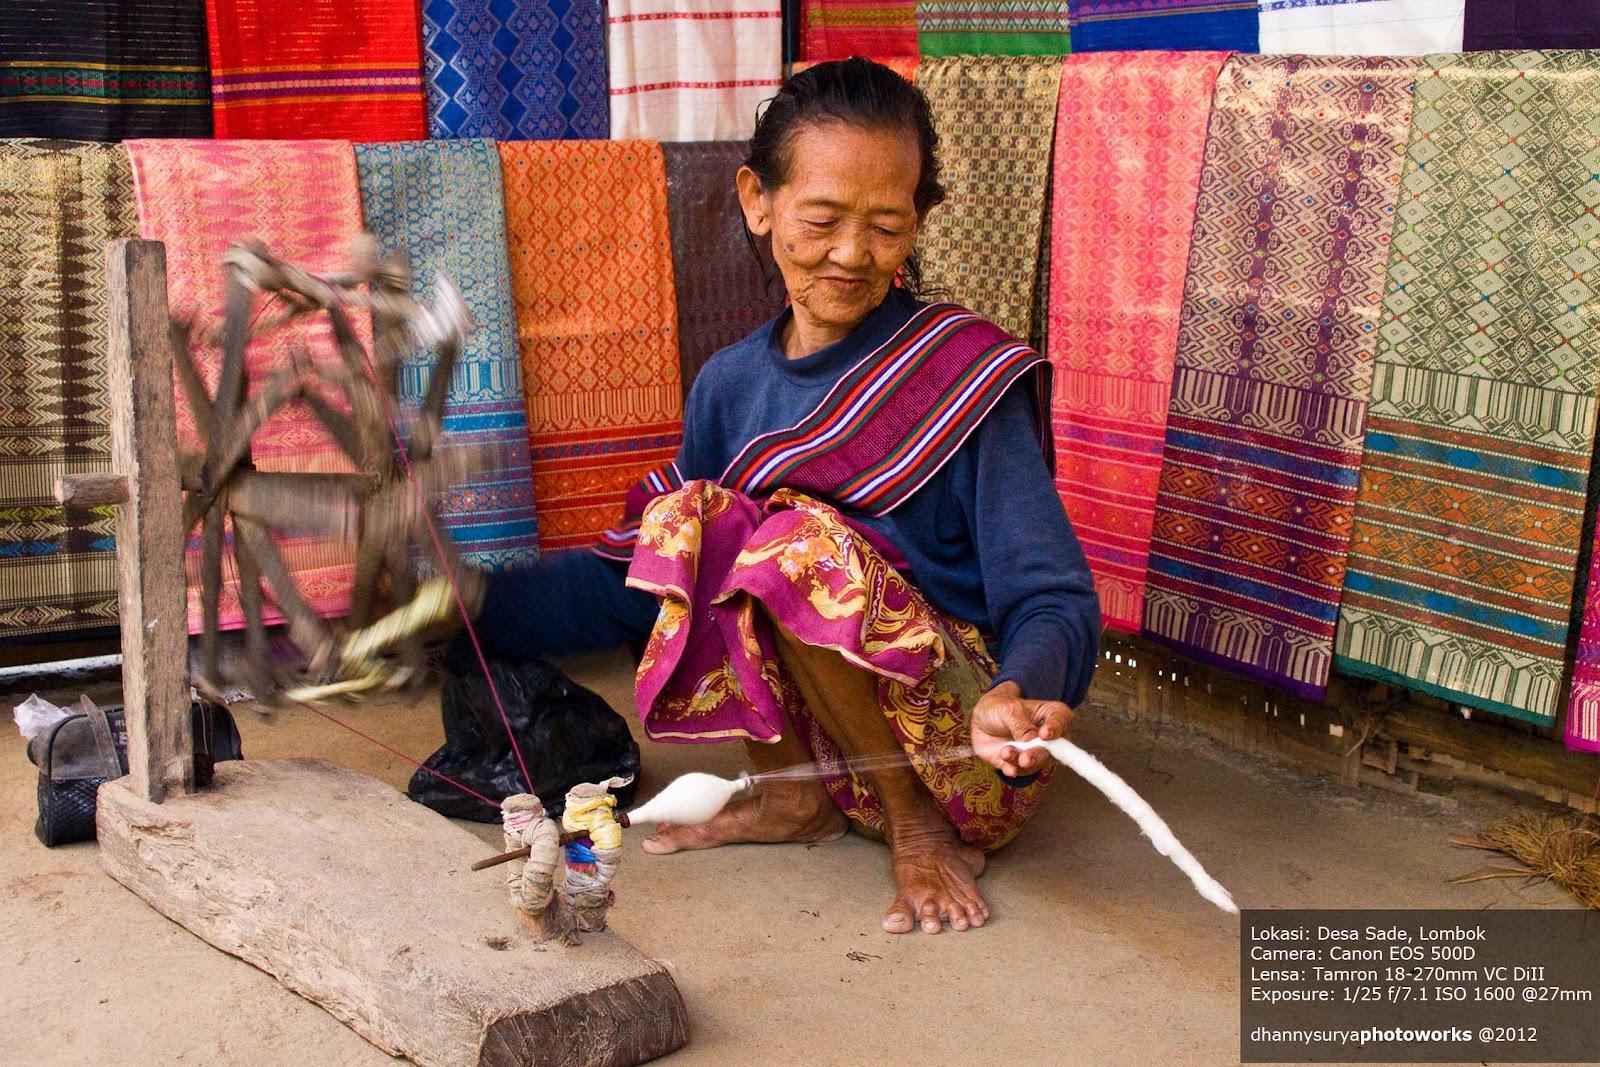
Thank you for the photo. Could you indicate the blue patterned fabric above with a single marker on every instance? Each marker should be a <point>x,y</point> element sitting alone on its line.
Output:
<point>1182,25</point>
<point>440,203</point>
<point>516,69</point>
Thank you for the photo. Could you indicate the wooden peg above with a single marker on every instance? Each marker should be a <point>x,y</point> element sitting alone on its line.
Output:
<point>91,490</point>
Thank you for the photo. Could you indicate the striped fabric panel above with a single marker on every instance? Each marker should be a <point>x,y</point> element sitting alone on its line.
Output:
<point>1469,520</point>
<point>692,70</point>
<point>946,369</point>
<point>1264,429</point>
<point>1129,25</point>
<point>102,70</point>
<point>839,29</point>
<point>344,69</point>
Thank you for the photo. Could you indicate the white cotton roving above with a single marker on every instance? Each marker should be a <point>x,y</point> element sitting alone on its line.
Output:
<point>689,799</point>
<point>1139,810</point>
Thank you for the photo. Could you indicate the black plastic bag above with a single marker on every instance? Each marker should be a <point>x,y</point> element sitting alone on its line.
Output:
<point>567,735</point>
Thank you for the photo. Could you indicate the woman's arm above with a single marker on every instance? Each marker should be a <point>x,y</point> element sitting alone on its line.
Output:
<point>1038,589</point>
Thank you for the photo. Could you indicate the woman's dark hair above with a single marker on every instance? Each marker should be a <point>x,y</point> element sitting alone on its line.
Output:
<point>859,93</point>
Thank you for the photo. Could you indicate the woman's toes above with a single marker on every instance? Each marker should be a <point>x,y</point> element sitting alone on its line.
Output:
<point>897,920</point>
<point>931,923</point>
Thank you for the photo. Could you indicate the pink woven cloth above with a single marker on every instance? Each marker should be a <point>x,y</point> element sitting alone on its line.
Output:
<point>1130,132</point>
<point>301,198</point>
<point>1583,709</point>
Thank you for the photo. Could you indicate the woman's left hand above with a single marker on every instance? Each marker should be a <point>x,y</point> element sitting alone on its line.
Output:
<point>1003,715</point>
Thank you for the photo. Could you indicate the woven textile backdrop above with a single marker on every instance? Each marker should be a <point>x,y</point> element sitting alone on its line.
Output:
<point>515,71</point>
<point>1361,27</point>
<point>725,288</point>
<point>440,203</point>
<point>839,29</point>
<point>102,70</point>
<point>993,27</point>
<point>1482,419</point>
<point>1129,137</point>
<point>996,120</point>
<point>1280,315</point>
<point>692,70</point>
<point>349,69</point>
<point>1120,25</point>
<point>591,267</point>
<point>301,196</point>
<point>59,203</point>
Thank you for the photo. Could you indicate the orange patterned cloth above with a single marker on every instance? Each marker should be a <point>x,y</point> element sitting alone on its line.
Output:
<point>710,671</point>
<point>597,320</point>
<point>301,197</point>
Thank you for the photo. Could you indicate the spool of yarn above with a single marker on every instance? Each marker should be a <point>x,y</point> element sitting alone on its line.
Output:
<point>1139,810</point>
<point>689,799</point>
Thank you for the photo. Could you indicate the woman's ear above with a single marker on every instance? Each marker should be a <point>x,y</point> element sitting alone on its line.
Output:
<point>757,206</point>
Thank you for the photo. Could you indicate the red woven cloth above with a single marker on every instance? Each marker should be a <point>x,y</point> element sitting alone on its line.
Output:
<point>343,69</point>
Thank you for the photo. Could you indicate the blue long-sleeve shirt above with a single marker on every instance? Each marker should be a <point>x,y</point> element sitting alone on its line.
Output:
<point>986,538</point>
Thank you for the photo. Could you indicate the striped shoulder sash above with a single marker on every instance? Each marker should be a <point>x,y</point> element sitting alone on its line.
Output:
<point>896,418</point>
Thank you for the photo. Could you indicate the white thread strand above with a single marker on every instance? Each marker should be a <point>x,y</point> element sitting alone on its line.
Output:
<point>1139,810</point>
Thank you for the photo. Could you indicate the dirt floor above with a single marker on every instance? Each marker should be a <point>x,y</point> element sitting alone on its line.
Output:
<point>1099,952</point>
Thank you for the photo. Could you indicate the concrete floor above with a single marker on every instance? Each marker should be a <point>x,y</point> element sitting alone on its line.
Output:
<point>1099,952</point>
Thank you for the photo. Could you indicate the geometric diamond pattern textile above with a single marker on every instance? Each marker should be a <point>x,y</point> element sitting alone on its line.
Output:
<point>1367,28</point>
<point>60,202</point>
<point>302,199</point>
<point>102,70</point>
<point>516,69</point>
<point>591,270</point>
<point>996,119</point>
<point>1482,419</point>
<point>1185,25</point>
<point>725,289</point>
<point>993,27</point>
<point>347,69</point>
<point>1269,393</point>
<point>1518,24</point>
<point>1130,133</point>
<point>440,204</point>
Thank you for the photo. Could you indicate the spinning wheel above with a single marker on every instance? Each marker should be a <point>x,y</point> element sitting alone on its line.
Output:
<point>385,506</point>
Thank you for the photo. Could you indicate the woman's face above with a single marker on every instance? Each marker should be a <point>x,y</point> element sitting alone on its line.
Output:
<point>843,222</point>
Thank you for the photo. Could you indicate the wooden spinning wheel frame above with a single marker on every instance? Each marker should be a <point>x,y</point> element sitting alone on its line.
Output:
<point>386,505</point>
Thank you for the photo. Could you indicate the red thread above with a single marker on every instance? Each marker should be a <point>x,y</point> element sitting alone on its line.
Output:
<point>455,590</point>
<point>396,752</point>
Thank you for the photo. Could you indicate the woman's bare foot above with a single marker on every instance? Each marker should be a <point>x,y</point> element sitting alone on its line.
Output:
<point>937,874</point>
<point>780,811</point>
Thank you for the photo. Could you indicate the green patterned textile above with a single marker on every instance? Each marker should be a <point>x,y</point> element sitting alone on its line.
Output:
<point>1472,495</point>
<point>996,119</point>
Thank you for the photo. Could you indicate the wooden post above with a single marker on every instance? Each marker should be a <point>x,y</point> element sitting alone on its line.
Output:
<point>151,586</point>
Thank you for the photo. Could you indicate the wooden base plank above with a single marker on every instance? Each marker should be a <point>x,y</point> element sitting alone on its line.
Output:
<point>364,902</point>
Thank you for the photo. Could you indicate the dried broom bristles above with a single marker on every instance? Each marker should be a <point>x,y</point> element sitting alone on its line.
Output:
<point>1564,849</point>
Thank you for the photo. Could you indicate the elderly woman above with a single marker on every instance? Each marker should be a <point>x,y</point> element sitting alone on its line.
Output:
<point>861,515</point>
